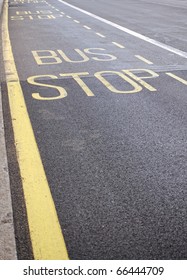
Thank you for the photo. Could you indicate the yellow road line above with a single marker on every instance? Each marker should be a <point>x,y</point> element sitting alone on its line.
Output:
<point>45,232</point>
<point>118,45</point>
<point>143,59</point>
<point>177,78</point>
<point>101,35</point>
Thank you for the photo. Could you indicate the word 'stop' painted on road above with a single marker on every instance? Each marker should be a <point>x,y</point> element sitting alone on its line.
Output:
<point>126,77</point>
<point>128,81</point>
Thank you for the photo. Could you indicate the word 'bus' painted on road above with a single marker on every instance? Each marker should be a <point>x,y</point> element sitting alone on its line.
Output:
<point>130,78</point>
<point>30,15</point>
<point>48,57</point>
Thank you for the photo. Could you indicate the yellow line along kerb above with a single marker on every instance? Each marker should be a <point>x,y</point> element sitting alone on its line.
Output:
<point>45,232</point>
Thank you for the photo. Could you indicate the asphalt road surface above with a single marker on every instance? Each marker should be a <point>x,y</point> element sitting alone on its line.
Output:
<point>105,86</point>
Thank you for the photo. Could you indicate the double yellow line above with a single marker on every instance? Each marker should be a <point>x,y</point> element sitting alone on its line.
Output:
<point>45,231</point>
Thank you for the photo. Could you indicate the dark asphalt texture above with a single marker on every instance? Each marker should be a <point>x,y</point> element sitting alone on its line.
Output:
<point>116,163</point>
<point>162,20</point>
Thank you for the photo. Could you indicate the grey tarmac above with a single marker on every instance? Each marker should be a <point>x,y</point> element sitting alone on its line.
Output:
<point>108,111</point>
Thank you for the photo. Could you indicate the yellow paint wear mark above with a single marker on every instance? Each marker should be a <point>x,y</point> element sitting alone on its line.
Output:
<point>118,45</point>
<point>144,59</point>
<point>45,232</point>
<point>177,78</point>
<point>101,35</point>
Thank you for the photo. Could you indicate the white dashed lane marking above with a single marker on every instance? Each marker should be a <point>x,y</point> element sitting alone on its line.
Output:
<point>144,59</point>
<point>118,45</point>
<point>100,35</point>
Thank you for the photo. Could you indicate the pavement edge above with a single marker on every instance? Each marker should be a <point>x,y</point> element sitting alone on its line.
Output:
<point>7,234</point>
